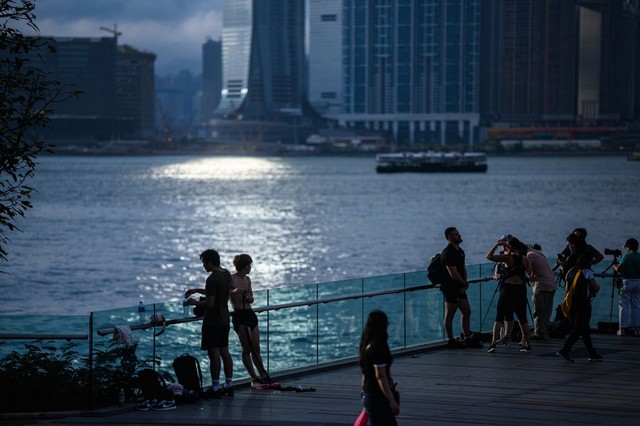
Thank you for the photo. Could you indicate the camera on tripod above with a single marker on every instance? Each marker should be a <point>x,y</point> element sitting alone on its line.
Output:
<point>612,252</point>
<point>560,260</point>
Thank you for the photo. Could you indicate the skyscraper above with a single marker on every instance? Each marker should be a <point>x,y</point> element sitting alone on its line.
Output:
<point>211,77</point>
<point>409,68</point>
<point>263,94</point>
<point>325,56</point>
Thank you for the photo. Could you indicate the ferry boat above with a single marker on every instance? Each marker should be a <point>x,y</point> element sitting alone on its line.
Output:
<point>431,162</point>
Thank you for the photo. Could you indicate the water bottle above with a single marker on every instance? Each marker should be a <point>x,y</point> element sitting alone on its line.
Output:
<point>185,307</point>
<point>121,397</point>
<point>141,313</point>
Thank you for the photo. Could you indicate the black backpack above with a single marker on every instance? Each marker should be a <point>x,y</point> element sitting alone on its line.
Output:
<point>153,385</point>
<point>435,271</point>
<point>189,375</point>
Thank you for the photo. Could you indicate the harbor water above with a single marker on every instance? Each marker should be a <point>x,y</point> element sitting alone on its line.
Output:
<point>107,231</point>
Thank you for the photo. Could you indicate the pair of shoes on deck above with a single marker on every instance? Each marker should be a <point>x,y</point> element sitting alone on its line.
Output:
<point>217,394</point>
<point>155,405</point>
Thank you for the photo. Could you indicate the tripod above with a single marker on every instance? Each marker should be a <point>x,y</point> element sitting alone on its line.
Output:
<point>614,284</point>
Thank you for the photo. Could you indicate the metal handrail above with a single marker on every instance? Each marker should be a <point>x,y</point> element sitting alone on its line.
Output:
<point>67,337</point>
<point>111,330</point>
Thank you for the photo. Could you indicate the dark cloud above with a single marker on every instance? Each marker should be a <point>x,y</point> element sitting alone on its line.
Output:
<point>172,29</point>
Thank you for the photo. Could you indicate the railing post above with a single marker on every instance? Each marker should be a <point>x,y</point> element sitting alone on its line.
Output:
<point>90,390</point>
<point>268,333</point>
<point>317,326</point>
<point>404,297</point>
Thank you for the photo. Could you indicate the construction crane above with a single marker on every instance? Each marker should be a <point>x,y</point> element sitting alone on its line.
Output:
<point>113,31</point>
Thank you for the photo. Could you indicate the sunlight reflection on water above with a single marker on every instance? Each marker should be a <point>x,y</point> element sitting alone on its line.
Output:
<point>105,230</point>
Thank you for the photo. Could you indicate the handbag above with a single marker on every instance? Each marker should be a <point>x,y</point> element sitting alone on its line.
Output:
<point>362,419</point>
<point>568,297</point>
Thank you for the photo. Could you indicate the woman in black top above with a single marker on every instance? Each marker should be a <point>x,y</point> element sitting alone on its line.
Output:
<point>514,289</point>
<point>375,361</point>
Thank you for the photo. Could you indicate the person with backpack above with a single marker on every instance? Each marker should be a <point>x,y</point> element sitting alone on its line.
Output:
<point>454,290</point>
<point>245,320</point>
<point>215,324</point>
<point>514,288</point>
<point>581,289</point>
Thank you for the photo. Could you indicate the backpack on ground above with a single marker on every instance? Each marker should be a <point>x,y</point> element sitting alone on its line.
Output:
<point>152,385</point>
<point>189,375</point>
<point>435,271</point>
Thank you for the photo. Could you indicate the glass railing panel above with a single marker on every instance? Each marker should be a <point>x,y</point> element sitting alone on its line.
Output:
<point>384,282</point>
<point>44,324</point>
<point>424,314</point>
<point>393,306</point>
<point>413,279</point>
<point>340,327</point>
<point>339,288</point>
<point>290,338</point>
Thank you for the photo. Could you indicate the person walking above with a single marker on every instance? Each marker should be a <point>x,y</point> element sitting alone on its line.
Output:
<point>245,320</point>
<point>375,359</point>
<point>581,282</point>
<point>629,304</point>
<point>514,288</point>
<point>544,288</point>
<point>454,290</point>
<point>215,323</point>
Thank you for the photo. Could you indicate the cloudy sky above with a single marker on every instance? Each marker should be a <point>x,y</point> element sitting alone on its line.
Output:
<point>173,29</point>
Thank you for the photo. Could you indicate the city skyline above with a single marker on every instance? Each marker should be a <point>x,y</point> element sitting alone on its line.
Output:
<point>173,32</point>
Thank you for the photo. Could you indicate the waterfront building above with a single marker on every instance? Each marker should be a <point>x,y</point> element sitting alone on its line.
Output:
<point>211,77</point>
<point>560,63</point>
<point>409,68</point>
<point>117,91</point>
<point>325,56</point>
<point>135,93</point>
<point>263,96</point>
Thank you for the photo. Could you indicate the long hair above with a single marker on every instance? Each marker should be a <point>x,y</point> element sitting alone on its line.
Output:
<point>374,329</point>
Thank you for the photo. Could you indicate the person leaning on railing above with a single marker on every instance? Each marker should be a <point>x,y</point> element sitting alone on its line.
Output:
<point>629,305</point>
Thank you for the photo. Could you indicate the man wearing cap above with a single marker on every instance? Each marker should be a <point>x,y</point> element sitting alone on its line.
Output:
<point>629,305</point>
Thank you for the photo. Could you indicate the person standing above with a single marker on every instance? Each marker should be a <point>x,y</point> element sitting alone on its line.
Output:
<point>245,320</point>
<point>454,290</point>
<point>514,288</point>
<point>375,361</point>
<point>571,253</point>
<point>581,281</point>
<point>629,304</point>
<point>215,323</point>
<point>544,288</point>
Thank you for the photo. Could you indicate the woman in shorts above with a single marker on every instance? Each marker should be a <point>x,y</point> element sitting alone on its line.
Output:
<point>245,321</point>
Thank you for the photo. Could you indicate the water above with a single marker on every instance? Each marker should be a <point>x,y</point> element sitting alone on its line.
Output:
<point>106,230</point>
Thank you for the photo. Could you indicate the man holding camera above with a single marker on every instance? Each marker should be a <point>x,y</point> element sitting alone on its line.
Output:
<point>629,305</point>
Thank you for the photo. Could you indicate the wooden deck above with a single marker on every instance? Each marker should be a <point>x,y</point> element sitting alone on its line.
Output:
<point>438,386</point>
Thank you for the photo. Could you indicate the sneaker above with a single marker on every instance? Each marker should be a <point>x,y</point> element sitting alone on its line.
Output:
<point>146,405</point>
<point>525,348</point>
<point>492,348</point>
<point>620,332</point>
<point>596,358</point>
<point>455,344</point>
<point>228,392</point>
<point>257,382</point>
<point>564,356</point>
<point>164,406</point>
<point>504,341</point>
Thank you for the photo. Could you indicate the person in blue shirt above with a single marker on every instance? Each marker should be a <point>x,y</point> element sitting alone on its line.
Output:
<point>629,304</point>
